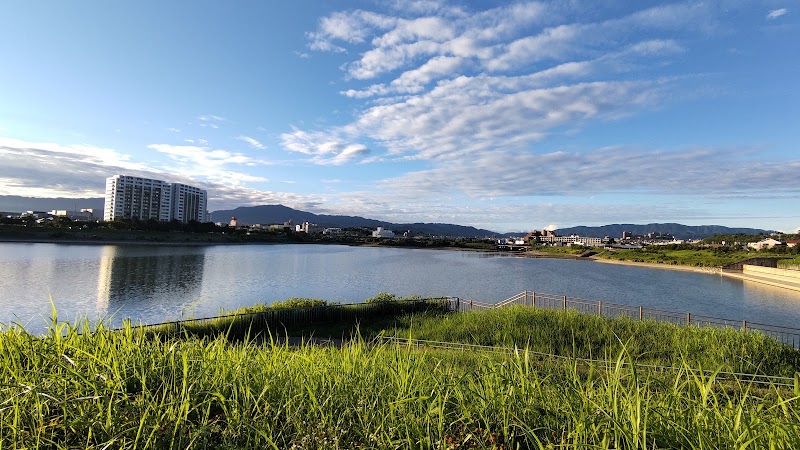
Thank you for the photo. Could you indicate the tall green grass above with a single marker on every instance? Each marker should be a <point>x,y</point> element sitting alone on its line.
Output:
<point>122,389</point>
<point>588,336</point>
<point>304,317</point>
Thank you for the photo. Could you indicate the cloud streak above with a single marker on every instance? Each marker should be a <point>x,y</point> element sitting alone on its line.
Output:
<point>774,14</point>
<point>43,170</point>
<point>253,142</point>
<point>703,172</point>
<point>460,82</point>
<point>323,148</point>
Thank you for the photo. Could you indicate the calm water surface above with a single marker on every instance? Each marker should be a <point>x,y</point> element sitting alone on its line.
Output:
<point>155,284</point>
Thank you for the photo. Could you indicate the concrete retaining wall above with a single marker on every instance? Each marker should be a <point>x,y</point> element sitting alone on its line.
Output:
<point>792,276</point>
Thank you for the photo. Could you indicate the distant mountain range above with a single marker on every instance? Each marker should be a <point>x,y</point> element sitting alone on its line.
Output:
<point>279,214</point>
<point>18,204</point>
<point>675,229</point>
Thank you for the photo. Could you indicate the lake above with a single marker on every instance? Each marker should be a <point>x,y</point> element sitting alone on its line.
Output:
<point>161,283</point>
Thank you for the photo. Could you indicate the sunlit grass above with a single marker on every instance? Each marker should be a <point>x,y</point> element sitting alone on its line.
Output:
<point>589,336</point>
<point>101,388</point>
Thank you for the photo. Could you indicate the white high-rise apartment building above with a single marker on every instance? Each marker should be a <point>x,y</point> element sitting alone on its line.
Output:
<point>188,203</point>
<point>129,197</point>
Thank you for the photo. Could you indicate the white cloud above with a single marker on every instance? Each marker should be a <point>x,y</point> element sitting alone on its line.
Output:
<point>253,143</point>
<point>353,28</point>
<point>505,78</point>
<point>174,130</point>
<point>469,115</point>
<point>34,169</point>
<point>324,148</point>
<point>774,14</point>
<point>210,163</point>
<point>41,169</point>
<point>91,154</point>
<point>712,172</point>
<point>204,156</point>
<point>211,118</point>
<point>211,121</point>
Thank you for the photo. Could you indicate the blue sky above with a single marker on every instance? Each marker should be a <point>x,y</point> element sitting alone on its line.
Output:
<point>503,115</point>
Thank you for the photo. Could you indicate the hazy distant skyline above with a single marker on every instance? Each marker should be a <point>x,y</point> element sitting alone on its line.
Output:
<point>504,116</point>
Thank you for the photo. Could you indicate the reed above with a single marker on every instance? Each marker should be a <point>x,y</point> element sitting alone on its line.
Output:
<point>571,333</point>
<point>81,388</point>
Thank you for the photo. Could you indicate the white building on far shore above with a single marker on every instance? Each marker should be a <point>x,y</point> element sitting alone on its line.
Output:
<point>381,233</point>
<point>129,197</point>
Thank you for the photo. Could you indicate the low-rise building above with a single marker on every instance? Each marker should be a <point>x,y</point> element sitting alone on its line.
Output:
<point>84,214</point>
<point>764,244</point>
<point>381,233</point>
<point>309,228</point>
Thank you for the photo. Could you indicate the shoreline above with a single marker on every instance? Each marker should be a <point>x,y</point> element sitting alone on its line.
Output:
<point>678,267</point>
<point>23,240</point>
<point>675,267</point>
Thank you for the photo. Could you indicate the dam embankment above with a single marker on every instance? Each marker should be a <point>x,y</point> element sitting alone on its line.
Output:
<point>783,278</point>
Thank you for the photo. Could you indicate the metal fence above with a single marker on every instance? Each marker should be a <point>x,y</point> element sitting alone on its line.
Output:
<point>238,324</point>
<point>786,335</point>
<point>750,378</point>
<point>269,318</point>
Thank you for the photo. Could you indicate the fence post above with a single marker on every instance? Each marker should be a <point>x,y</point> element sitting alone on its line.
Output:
<point>565,303</point>
<point>470,305</point>
<point>744,326</point>
<point>534,299</point>
<point>600,308</point>
<point>640,313</point>
<point>525,298</point>
<point>688,318</point>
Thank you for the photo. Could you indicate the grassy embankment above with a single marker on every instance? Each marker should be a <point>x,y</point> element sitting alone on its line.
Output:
<point>685,257</point>
<point>124,389</point>
<point>793,263</point>
<point>696,257</point>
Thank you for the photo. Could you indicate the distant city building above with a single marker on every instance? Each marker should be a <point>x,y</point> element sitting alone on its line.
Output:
<point>573,239</point>
<point>129,197</point>
<point>310,228</point>
<point>536,235</point>
<point>766,243</point>
<point>380,232</point>
<point>549,237</point>
<point>85,214</point>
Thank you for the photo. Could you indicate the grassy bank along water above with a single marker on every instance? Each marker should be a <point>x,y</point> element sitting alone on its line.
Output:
<point>556,332</point>
<point>158,388</point>
<point>569,333</point>
<point>82,388</point>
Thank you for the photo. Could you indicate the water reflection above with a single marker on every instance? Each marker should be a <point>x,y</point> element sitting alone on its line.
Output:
<point>156,284</point>
<point>135,279</point>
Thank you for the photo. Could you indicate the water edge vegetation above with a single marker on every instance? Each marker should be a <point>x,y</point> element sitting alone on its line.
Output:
<point>133,388</point>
